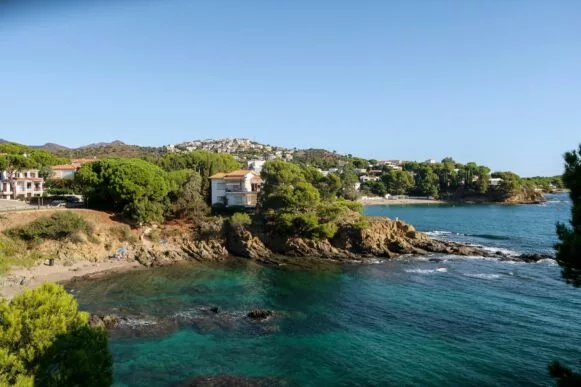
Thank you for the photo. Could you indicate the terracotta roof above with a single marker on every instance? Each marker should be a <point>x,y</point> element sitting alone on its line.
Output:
<point>65,167</point>
<point>218,175</point>
<point>234,174</point>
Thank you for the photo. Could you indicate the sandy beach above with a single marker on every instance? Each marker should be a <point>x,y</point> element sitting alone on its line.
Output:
<point>18,279</point>
<point>383,201</point>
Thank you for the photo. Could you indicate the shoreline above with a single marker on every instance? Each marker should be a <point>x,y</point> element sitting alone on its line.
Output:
<point>16,280</point>
<point>382,202</point>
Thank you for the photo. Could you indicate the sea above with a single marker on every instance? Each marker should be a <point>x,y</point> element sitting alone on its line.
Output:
<point>453,321</point>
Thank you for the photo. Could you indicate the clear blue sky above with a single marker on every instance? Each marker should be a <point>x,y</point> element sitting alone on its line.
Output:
<point>496,82</point>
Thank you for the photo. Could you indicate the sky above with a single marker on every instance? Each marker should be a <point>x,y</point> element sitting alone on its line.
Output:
<point>497,82</point>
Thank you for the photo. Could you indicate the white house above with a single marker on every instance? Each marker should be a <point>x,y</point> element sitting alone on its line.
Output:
<point>238,188</point>
<point>365,178</point>
<point>494,181</point>
<point>67,171</point>
<point>431,161</point>
<point>28,184</point>
<point>256,165</point>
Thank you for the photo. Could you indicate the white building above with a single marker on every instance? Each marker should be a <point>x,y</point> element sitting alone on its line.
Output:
<point>431,161</point>
<point>68,171</point>
<point>256,165</point>
<point>238,188</point>
<point>494,181</point>
<point>365,178</point>
<point>28,184</point>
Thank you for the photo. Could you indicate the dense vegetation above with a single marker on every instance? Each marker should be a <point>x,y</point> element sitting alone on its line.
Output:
<point>204,163</point>
<point>446,180</point>
<point>319,158</point>
<point>45,340</point>
<point>569,251</point>
<point>550,183</point>
<point>569,245</point>
<point>112,149</point>
<point>133,187</point>
<point>292,205</point>
<point>58,226</point>
<point>175,185</point>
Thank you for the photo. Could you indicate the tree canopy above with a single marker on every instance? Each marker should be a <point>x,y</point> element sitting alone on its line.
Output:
<point>133,187</point>
<point>293,205</point>
<point>203,162</point>
<point>46,340</point>
<point>569,245</point>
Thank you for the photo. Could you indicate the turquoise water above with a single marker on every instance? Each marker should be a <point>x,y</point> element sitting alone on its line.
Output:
<point>520,228</point>
<point>468,321</point>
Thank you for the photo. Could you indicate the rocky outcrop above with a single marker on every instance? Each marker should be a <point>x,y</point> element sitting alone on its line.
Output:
<point>242,243</point>
<point>525,196</point>
<point>380,237</point>
<point>214,239</point>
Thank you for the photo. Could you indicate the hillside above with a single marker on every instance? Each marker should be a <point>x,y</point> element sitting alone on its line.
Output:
<point>103,149</point>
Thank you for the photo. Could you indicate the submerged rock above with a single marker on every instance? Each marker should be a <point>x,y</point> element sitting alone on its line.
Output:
<point>260,314</point>
<point>534,257</point>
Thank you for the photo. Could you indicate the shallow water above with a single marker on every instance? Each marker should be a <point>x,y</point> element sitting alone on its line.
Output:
<point>461,321</point>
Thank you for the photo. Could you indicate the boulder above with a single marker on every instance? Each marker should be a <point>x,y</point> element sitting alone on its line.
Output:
<point>260,314</point>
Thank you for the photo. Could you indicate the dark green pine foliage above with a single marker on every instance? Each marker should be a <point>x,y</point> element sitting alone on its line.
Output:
<point>569,245</point>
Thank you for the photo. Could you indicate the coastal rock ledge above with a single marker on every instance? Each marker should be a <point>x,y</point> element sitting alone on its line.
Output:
<point>381,237</point>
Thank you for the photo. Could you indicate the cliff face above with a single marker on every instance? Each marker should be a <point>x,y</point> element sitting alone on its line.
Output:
<point>525,197</point>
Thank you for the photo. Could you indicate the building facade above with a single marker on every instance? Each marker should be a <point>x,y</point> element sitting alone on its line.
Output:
<point>68,171</point>
<point>27,184</point>
<point>235,189</point>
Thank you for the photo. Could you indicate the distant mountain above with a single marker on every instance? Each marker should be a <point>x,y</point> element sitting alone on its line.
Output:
<point>50,147</point>
<point>103,144</point>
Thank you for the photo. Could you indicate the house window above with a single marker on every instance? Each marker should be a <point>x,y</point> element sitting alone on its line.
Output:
<point>32,174</point>
<point>254,187</point>
<point>28,185</point>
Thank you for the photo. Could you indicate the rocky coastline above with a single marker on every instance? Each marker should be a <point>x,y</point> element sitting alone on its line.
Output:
<point>381,238</point>
<point>216,239</point>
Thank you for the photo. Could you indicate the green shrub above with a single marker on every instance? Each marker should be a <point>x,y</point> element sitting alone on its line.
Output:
<point>361,224</point>
<point>58,226</point>
<point>43,334</point>
<point>325,231</point>
<point>240,219</point>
